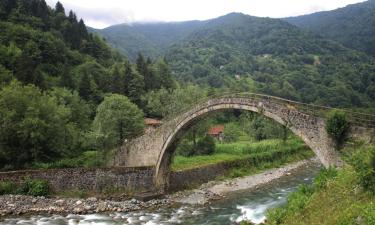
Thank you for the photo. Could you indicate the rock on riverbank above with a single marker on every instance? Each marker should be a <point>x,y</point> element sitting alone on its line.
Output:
<point>20,204</point>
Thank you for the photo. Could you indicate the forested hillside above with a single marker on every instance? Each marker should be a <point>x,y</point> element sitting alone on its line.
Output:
<point>247,53</point>
<point>353,26</point>
<point>59,84</point>
<point>152,39</point>
<point>244,53</point>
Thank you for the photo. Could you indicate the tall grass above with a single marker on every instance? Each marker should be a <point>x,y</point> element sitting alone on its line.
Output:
<point>253,153</point>
<point>336,197</point>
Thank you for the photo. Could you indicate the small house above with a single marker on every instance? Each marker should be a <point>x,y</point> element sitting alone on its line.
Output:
<point>217,132</point>
<point>151,124</point>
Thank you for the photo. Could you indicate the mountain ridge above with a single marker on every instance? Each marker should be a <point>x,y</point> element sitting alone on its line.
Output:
<point>352,26</point>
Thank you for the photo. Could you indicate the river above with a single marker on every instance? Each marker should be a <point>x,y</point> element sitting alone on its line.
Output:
<point>249,205</point>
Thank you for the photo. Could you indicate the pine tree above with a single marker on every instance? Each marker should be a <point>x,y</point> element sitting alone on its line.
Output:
<point>165,75</point>
<point>8,5</point>
<point>143,67</point>
<point>84,89</point>
<point>117,85</point>
<point>134,84</point>
<point>141,64</point>
<point>59,8</point>
<point>82,30</point>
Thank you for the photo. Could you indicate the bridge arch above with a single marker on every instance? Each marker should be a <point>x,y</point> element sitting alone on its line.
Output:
<point>287,116</point>
<point>306,121</point>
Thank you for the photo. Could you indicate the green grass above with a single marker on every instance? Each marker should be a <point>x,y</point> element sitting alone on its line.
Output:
<point>335,198</point>
<point>34,187</point>
<point>260,154</point>
<point>183,163</point>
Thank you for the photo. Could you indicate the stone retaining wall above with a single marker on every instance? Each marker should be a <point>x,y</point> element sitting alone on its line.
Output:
<point>186,179</point>
<point>98,179</point>
<point>94,179</point>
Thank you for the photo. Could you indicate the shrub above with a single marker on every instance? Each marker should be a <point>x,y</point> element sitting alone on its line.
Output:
<point>337,126</point>
<point>363,162</point>
<point>34,187</point>
<point>185,149</point>
<point>6,187</point>
<point>232,132</point>
<point>206,146</point>
<point>323,177</point>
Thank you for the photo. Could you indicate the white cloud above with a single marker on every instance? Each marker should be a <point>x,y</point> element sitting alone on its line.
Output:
<point>99,13</point>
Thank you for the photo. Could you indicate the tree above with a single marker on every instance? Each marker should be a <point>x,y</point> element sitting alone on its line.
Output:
<point>149,76</point>
<point>134,84</point>
<point>35,128</point>
<point>117,84</point>
<point>337,126</point>
<point>6,6</point>
<point>117,119</point>
<point>232,132</point>
<point>84,88</point>
<point>164,75</point>
<point>162,103</point>
<point>206,146</point>
<point>80,111</point>
<point>59,8</point>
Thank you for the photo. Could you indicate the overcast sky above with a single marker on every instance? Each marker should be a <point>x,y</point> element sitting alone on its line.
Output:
<point>103,13</point>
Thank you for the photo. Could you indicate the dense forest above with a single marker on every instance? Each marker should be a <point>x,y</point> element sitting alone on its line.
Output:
<point>244,53</point>
<point>152,39</point>
<point>59,83</point>
<point>353,25</point>
<point>265,55</point>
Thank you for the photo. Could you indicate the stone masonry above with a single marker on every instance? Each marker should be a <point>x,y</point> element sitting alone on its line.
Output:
<point>155,149</point>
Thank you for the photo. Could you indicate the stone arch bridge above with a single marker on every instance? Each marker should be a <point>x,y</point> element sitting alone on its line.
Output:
<point>307,121</point>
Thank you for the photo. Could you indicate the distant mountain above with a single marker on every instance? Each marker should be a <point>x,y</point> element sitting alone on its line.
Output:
<point>353,25</point>
<point>245,53</point>
<point>266,55</point>
<point>151,39</point>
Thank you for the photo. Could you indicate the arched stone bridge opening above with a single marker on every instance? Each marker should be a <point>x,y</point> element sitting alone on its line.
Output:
<point>306,121</point>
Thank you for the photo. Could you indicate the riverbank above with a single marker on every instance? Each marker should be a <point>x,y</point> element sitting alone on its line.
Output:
<point>345,196</point>
<point>218,189</point>
<point>19,204</point>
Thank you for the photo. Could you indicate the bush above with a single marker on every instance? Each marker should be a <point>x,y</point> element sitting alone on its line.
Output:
<point>363,162</point>
<point>185,149</point>
<point>232,132</point>
<point>34,188</point>
<point>337,126</point>
<point>324,176</point>
<point>206,146</point>
<point>6,187</point>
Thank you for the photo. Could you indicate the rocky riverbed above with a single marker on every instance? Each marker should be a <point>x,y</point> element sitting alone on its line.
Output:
<point>218,189</point>
<point>19,204</point>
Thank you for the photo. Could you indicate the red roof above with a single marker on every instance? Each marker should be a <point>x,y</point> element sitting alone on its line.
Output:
<point>216,130</point>
<point>152,122</point>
